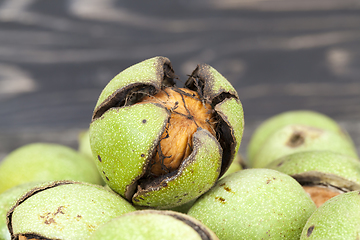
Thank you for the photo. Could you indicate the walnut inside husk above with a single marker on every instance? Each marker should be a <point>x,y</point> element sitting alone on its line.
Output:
<point>160,145</point>
<point>188,113</point>
<point>320,194</point>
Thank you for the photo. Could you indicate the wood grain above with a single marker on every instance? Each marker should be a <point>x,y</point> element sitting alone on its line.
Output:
<point>56,57</point>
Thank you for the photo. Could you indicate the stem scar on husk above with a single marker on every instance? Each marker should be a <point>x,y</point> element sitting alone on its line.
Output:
<point>296,139</point>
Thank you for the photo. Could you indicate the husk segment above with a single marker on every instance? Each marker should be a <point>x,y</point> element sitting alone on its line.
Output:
<point>123,146</point>
<point>65,210</point>
<point>204,232</point>
<point>324,168</point>
<point>218,92</point>
<point>204,162</point>
<point>149,77</point>
<point>30,193</point>
<point>326,179</point>
<point>154,224</point>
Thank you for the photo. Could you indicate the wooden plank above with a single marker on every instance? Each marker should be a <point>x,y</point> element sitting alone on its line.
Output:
<point>56,57</point>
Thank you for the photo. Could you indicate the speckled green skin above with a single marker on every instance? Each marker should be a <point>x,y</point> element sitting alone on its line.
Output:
<point>217,82</point>
<point>227,110</point>
<point>123,137</point>
<point>46,162</point>
<point>337,218</point>
<point>85,149</point>
<point>129,143</point>
<point>69,211</point>
<point>234,167</point>
<point>183,187</point>
<point>7,200</point>
<point>323,167</point>
<point>255,204</point>
<point>277,145</point>
<point>230,109</point>
<point>145,72</point>
<point>151,225</point>
<point>304,117</point>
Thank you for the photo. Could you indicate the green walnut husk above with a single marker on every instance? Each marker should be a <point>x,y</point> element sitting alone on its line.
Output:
<point>338,218</point>
<point>7,200</point>
<point>255,204</point>
<point>303,117</point>
<point>64,210</point>
<point>297,138</point>
<point>153,225</point>
<point>235,166</point>
<point>46,162</point>
<point>85,149</point>
<point>323,174</point>
<point>125,136</point>
<point>84,143</point>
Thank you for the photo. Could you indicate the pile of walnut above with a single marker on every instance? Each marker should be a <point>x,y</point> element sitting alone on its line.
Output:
<point>161,162</point>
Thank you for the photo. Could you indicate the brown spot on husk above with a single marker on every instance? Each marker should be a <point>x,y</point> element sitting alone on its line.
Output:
<point>221,200</point>
<point>91,227</point>
<point>49,217</point>
<point>30,193</point>
<point>49,221</point>
<point>60,210</point>
<point>320,194</point>
<point>226,188</point>
<point>310,230</point>
<point>188,113</point>
<point>269,180</point>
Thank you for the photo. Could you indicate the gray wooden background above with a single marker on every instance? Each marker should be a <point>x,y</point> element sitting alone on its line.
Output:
<point>56,56</point>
